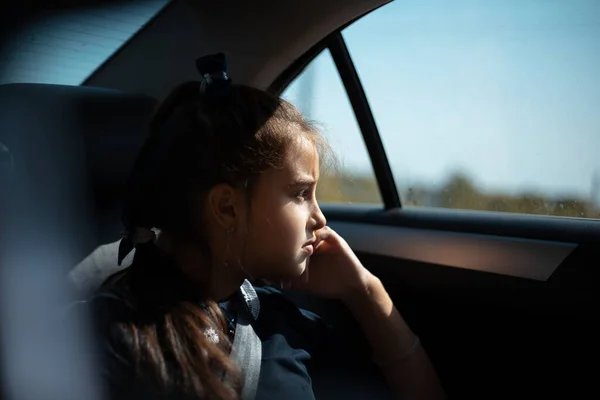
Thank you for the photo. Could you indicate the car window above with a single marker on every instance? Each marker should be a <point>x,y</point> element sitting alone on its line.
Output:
<point>66,45</point>
<point>348,176</point>
<point>487,105</point>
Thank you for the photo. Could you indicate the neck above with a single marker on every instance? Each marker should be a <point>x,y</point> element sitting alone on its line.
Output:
<point>215,278</point>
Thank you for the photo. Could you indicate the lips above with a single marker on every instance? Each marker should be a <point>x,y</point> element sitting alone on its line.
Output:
<point>308,249</point>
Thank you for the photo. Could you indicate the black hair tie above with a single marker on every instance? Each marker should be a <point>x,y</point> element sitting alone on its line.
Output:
<point>214,83</point>
<point>213,70</point>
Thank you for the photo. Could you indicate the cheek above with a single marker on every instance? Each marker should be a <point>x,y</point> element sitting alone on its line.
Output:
<point>292,221</point>
<point>278,229</point>
<point>274,246</point>
<point>280,232</point>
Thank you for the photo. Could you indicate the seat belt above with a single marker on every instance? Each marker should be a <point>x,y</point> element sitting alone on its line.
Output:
<point>246,349</point>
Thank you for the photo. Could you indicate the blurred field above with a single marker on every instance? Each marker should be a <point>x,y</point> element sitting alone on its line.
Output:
<point>457,193</point>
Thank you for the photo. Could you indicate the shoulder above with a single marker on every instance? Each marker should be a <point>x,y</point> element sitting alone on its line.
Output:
<point>280,315</point>
<point>273,299</point>
<point>105,305</point>
<point>111,316</point>
<point>111,302</point>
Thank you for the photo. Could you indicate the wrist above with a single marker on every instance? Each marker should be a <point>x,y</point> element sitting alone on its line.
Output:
<point>364,294</point>
<point>383,325</point>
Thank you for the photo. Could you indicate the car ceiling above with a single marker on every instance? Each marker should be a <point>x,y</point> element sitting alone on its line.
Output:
<point>260,38</point>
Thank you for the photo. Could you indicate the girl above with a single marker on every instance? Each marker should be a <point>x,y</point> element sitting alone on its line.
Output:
<point>223,192</point>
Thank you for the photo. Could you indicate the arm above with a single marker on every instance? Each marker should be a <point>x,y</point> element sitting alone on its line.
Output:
<point>402,360</point>
<point>336,272</point>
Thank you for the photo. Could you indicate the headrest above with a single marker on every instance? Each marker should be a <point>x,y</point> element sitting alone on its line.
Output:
<point>112,124</point>
<point>72,149</point>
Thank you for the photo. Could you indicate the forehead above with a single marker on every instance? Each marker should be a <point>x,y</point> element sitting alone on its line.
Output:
<point>300,164</point>
<point>302,160</point>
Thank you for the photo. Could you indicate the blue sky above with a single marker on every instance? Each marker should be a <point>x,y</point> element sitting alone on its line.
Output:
<point>507,91</point>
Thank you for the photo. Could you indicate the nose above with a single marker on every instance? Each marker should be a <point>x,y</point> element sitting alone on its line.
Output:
<point>318,220</point>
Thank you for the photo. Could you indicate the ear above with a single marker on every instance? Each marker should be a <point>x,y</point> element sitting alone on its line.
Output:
<point>223,203</point>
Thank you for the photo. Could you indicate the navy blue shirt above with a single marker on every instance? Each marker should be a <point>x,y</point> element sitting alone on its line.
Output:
<point>296,344</point>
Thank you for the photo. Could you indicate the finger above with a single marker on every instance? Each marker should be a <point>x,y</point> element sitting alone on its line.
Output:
<point>322,235</point>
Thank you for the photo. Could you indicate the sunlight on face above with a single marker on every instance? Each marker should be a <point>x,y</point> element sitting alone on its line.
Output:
<point>285,215</point>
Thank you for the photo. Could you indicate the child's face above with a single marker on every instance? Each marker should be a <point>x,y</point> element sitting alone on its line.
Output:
<point>284,216</point>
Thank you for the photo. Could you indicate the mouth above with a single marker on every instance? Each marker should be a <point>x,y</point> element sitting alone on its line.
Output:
<point>309,247</point>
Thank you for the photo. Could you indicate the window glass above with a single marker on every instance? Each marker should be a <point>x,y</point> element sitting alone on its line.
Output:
<point>487,105</point>
<point>320,95</point>
<point>66,45</point>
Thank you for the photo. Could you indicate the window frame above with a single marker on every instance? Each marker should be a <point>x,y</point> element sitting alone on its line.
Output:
<point>526,226</point>
<point>360,107</point>
<point>366,122</point>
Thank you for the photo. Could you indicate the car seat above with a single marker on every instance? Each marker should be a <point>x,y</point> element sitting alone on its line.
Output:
<point>71,150</point>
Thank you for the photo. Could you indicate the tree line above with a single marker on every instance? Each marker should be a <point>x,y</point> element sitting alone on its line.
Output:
<point>458,192</point>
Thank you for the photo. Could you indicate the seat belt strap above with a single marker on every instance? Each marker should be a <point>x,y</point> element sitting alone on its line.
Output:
<point>246,350</point>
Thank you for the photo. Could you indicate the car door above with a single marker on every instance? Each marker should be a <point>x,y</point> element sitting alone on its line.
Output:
<point>466,179</point>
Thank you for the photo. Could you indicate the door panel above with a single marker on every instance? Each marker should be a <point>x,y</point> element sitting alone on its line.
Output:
<point>500,316</point>
<point>523,258</point>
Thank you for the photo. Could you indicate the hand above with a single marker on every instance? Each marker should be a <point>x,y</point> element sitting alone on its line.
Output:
<point>333,270</point>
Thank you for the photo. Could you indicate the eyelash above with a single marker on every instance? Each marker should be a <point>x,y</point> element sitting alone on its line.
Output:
<point>303,194</point>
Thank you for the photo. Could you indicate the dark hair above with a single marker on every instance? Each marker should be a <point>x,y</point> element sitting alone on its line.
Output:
<point>197,141</point>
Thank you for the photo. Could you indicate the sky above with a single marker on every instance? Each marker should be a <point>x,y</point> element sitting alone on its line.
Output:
<point>506,91</point>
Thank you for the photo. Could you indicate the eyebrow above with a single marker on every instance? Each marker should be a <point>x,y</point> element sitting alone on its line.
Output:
<point>299,181</point>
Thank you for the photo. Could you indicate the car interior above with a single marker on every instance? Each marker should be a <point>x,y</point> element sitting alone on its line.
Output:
<point>505,302</point>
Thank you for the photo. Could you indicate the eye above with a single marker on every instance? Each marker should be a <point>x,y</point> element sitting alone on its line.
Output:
<point>303,194</point>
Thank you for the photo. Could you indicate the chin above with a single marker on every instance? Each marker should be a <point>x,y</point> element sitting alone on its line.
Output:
<point>294,270</point>
<point>302,267</point>
<point>289,270</point>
